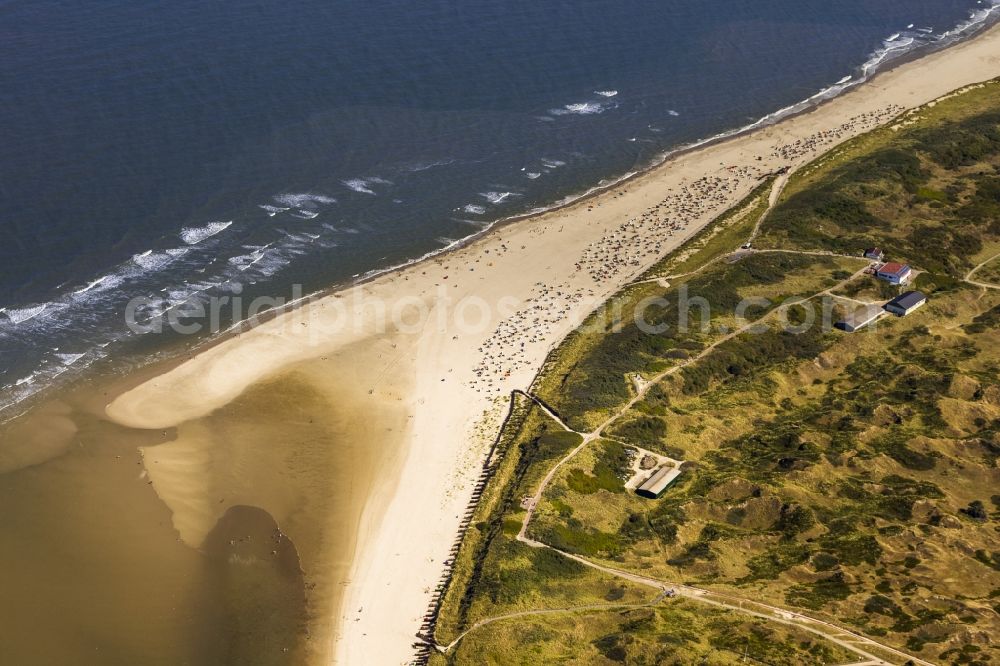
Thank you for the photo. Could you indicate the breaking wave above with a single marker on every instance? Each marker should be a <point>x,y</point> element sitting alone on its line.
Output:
<point>21,315</point>
<point>154,261</point>
<point>195,235</point>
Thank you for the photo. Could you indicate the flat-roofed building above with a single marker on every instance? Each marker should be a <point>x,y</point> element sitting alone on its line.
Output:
<point>658,482</point>
<point>859,318</point>
<point>906,303</point>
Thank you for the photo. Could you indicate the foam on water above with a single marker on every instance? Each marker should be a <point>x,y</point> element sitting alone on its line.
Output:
<point>272,210</point>
<point>100,284</point>
<point>901,43</point>
<point>29,379</point>
<point>580,109</point>
<point>364,185</point>
<point>975,20</point>
<point>153,261</point>
<point>21,315</point>
<point>70,359</point>
<point>606,93</point>
<point>195,235</point>
<point>78,313</point>
<point>303,200</point>
<point>479,224</point>
<point>497,197</point>
<point>532,175</point>
<point>245,261</point>
<point>890,51</point>
<point>417,167</point>
<point>303,237</point>
<point>139,265</point>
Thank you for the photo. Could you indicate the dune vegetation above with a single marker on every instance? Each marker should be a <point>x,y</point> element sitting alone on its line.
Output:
<point>852,478</point>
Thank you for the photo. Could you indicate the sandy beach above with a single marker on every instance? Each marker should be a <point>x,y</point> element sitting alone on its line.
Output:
<point>429,354</point>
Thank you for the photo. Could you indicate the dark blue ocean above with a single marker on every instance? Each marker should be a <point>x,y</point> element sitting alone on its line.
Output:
<point>182,149</point>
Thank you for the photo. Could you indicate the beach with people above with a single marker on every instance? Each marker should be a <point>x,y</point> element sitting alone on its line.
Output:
<point>430,353</point>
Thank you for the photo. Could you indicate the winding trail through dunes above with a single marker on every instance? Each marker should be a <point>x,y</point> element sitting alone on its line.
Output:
<point>776,190</point>
<point>836,634</point>
<point>985,285</point>
<point>551,611</point>
<point>845,638</point>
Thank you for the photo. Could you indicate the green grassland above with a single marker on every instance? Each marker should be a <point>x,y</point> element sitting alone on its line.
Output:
<point>854,477</point>
<point>591,383</point>
<point>495,574</point>
<point>837,482</point>
<point>925,189</point>
<point>682,633</point>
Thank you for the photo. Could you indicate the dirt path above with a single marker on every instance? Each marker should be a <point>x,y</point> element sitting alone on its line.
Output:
<point>838,635</point>
<point>985,285</point>
<point>708,350</point>
<point>550,611</point>
<point>846,639</point>
<point>776,190</point>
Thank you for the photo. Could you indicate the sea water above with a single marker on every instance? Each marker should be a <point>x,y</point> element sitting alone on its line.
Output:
<point>183,150</point>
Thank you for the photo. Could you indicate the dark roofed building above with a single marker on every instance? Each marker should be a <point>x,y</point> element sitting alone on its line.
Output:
<point>906,303</point>
<point>875,254</point>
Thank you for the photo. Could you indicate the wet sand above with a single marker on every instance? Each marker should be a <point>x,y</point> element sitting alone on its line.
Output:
<point>225,540</point>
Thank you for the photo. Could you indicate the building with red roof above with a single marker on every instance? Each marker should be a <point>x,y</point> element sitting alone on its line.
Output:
<point>894,273</point>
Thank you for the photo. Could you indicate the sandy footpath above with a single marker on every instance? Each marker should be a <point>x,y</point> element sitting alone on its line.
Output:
<point>471,325</point>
